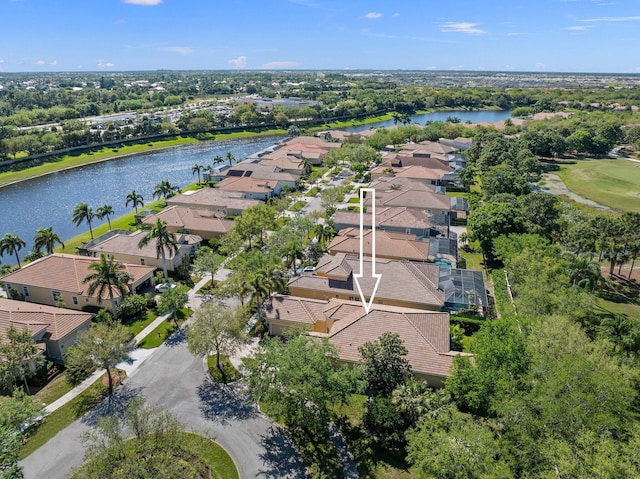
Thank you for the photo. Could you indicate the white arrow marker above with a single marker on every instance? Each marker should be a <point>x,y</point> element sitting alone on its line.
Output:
<point>376,277</point>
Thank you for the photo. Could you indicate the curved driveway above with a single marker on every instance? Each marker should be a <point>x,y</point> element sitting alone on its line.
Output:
<point>174,378</point>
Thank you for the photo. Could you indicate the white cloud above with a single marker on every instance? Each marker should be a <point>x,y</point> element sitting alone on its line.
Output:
<point>180,50</point>
<point>1,60</point>
<point>277,65</point>
<point>540,66</point>
<point>40,62</point>
<point>54,62</point>
<point>462,27</point>
<point>612,19</point>
<point>120,21</point>
<point>373,15</point>
<point>239,62</point>
<point>578,28</point>
<point>395,15</point>
<point>103,64</point>
<point>146,3</point>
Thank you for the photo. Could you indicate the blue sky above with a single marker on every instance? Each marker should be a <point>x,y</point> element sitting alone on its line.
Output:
<point>514,35</point>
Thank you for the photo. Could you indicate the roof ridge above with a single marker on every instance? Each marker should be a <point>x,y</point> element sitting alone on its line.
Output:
<point>419,332</point>
<point>308,310</point>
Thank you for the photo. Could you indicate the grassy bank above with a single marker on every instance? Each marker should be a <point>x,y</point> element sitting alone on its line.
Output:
<point>611,182</point>
<point>53,164</point>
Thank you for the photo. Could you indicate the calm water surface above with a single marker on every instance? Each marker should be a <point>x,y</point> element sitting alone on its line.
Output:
<point>49,200</point>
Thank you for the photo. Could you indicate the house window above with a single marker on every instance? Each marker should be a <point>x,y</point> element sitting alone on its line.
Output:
<point>56,296</point>
<point>25,290</point>
<point>141,260</point>
<point>75,300</point>
<point>86,300</point>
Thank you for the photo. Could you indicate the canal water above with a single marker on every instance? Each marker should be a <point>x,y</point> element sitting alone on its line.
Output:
<point>49,200</point>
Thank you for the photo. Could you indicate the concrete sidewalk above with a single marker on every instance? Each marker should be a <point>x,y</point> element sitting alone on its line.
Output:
<point>137,356</point>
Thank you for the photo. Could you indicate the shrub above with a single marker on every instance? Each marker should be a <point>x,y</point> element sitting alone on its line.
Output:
<point>132,305</point>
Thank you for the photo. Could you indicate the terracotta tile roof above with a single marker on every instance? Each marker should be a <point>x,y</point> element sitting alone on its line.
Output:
<point>311,142</point>
<point>246,184</point>
<point>284,160</point>
<point>260,171</point>
<point>183,217</point>
<point>401,280</point>
<point>425,335</point>
<point>58,322</point>
<point>431,146</point>
<point>212,198</point>
<point>388,217</point>
<point>65,272</point>
<point>388,244</point>
<point>127,244</point>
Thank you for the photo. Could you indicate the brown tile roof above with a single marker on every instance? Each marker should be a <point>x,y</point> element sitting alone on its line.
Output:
<point>284,160</point>
<point>260,171</point>
<point>431,146</point>
<point>425,335</point>
<point>388,217</point>
<point>401,280</point>
<point>58,322</point>
<point>183,217</point>
<point>212,198</point>
<point>65,272</point>
<point>413,171</point>
<point>246,184</point>
<point>127,244</point>
<point>406,192</point>
<point>310,143</point>
<point>388,244</point>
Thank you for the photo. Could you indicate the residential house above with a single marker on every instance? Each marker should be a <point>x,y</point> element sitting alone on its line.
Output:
<point>345,324</point>
<point>57,279</point>
<point>181,219</point>
<point>225,202</point>
<point>124,248</point>
<point>253,169</point>
<point>251,188</point>
<point>404,283</point>
<point>55,329</point>
<point>397,246</point>
<point>401,220</point>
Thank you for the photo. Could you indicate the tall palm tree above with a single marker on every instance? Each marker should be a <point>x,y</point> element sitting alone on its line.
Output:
<point>197,168</point>
<point>105,210</point>
<point>324,233</point>
<point>135,199</point>
<point>230,158</point>
<point>83,212</point>
<point>108,274</point>
<point>47,239</point>
<point>217,160</point>
<point>11,243</point>
<point>584,270</point>
<point>165,242</point>
<point>165,190</point>
<point>306,166</point>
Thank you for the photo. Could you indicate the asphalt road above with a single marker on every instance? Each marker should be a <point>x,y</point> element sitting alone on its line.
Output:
<point>174,378</point>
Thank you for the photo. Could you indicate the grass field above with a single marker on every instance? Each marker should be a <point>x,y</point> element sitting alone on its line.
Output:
<point>612,182</point>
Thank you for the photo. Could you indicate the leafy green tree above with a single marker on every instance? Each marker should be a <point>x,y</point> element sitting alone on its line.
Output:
<point>540,213</point>
<point>173,300</point>
<point>206,261</point>
<point>299,379</point>
<point>18,351</point>
<point>104,345</point>
<point>108,275</point>
<point>503,178</point>
<point>18,409</point>
<point>12,244</point>
<point>254,223</point>
<point>216,328</point>
<point>330,197</point>
<point>491,220</point>
<point>384,364</point>
<point>9,445</point>
<point>82,212</point>
<point>105,211</point>
<point>165,242</point>
<point>135,199</point>
<point>46,239</point>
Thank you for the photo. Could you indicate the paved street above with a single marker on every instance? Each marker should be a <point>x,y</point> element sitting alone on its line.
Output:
<point>174,378</point>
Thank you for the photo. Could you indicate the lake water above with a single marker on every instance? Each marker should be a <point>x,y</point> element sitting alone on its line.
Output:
<point>49,200</point>
<point>489,116</point>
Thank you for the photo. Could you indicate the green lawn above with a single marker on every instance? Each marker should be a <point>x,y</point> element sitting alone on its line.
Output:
<point>228,374</point>
<point>57,387</point>
<point>611,182</point>
<point>162,332</point>
<point>136,325</point>
<point>214,455</point>
<point>61,418</point>
<point>503,300</point>
<point>298,205</point>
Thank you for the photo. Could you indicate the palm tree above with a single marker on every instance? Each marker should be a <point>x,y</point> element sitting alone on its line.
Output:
<point>47,239</point>
<point>165,240</point>
<point>324,232</point>
<point>217,160</point>
<point>11,243</point>
<point>108,275</point>
<point>135,199</point>
<point>165,190</point>
<point>584,270</point>
<point>196,169</point>
<point>306,166</point>
<point>83,212</point>
<point>105,210</point>
<point>230,158</point>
